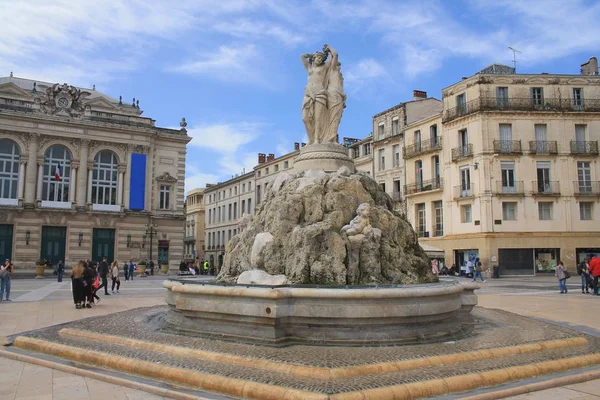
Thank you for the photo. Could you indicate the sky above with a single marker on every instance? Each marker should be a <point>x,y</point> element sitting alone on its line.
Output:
<point>232,67</point>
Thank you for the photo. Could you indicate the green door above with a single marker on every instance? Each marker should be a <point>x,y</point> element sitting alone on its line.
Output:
<point>6,235</point>
<point>103,244</point>
<point>54,239</point>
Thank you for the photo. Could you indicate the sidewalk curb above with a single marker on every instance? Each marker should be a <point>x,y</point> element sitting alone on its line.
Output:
<point>538,386</point>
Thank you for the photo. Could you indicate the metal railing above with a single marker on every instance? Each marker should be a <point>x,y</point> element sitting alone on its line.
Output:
<point>462,152</point>
<point>464,191</point>
<point>546,188</point>
<point>507,146</point>
<point>189,239</point>
<point>517,188</point>
<point>521,104</point>
<point>541,147</point>
<point>424,186</point>
<point>422,147</point>
<point>580,147</point>
<point>586,188</point>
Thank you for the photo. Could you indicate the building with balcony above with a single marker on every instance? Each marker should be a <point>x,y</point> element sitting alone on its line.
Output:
<point>362,156</point>
<point>84,175</point>
<point>521,169</point>
<point>193,239</point>
<point>391,132</point>
<point>224,204</point>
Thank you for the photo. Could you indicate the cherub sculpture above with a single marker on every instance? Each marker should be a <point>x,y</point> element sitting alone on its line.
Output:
<point>360,224</point>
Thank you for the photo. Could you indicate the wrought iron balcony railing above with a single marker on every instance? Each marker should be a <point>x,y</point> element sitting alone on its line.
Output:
<point>189,239</point>
<point>539,147</point>
<point>422,147</point>
<point>521,104</point>
<point>505,189</point>
<point>546,188</point>
<point>507,146</point>
<point>579,147</point>
<point>425,186</point>
<point>586,188</point>
<point>464,191</point>
<point>462,152</point>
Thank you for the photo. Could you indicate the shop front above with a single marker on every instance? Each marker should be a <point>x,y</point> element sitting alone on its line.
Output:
<point>546,260</point>
<point>462,257</point>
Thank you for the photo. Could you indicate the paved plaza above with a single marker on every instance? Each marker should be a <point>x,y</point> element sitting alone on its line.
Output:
<point>44,302</point>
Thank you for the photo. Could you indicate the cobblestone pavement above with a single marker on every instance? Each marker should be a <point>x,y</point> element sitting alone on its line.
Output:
<point>537,297</point>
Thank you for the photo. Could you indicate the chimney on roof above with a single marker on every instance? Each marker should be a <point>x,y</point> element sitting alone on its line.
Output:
<point>296,146</point>
<point>303,144</point>
<point>590,67</point>
<point>270,157</point>
<point>261,158</point>
<point>419,94</point>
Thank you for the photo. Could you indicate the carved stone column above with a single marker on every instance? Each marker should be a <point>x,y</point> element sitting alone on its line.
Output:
<point>90,167</point>
<point>81,184</point>
<point>120,186</point>
<point>40,179</point>
<point>126,187</point>
<point>73,183</point>
<point>31,174</point>
<point>21,187</point>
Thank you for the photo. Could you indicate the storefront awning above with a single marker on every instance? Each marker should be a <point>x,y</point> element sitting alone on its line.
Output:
<point>432,252</point>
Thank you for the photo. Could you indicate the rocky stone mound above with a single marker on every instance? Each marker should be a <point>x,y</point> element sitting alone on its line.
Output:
<point>301,230</point>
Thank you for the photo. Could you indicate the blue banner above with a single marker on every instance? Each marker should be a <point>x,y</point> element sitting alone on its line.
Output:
<point>137,182</point>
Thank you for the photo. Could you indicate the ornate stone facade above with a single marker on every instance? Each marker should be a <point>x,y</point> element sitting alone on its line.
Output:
<point>84,174</point>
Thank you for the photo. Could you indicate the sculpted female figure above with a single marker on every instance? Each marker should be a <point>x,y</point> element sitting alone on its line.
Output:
<point>323,94</point>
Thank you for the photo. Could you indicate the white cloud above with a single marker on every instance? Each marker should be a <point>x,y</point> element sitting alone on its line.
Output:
<point>224,138</point>
<point>359,76</point>
<point>245,28</point>
<point>195,178</point>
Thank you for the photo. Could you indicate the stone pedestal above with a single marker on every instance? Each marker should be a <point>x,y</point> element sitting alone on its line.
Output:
<point>328,157</point>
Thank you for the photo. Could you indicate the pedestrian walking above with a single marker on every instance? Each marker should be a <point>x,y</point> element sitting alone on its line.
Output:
<point>583,269</point>
<point>595,273</point>
<point>78,284</point>
<point>562,274</point>
<point>60,270</point>
<point>103,271</point>
<point>126,270</point>
<point>478,270</point>
<point>114,275</point>
<point>131,269</point>
<point>5,274</point>
<point>90,277</point>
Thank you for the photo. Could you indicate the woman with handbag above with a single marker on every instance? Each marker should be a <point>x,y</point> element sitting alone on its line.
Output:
<point>562,274</point>
<point>114,274</point>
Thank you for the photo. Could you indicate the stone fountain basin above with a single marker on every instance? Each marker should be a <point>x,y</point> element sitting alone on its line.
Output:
<point>343,315</point>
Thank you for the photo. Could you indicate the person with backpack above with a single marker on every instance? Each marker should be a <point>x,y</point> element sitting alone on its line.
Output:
<point>6,271</point>
<point>583,269</point>
<point>60,270</point>
<point>478,269</point>
<point>131,269</point>
<point>103,271</point>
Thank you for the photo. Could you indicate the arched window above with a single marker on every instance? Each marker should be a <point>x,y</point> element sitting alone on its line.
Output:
<point>9,169</point>
<point>56,180</point>
<point>104,178</point>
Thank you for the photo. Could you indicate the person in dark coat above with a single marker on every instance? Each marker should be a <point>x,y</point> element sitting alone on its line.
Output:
<point>126,270</point>
<point>79,284</point>
<point>103,270</point>
<point>90,277</point>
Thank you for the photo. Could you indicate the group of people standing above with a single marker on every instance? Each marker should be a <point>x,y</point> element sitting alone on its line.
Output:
<point>589,270</point>
<point>198,268</point>
<point>87,279</point>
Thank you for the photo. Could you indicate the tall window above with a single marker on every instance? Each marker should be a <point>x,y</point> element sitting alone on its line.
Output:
<point>577,98</point>
<point>56,177</point>
<point>421,219</point>
<point>537,96</point>
<point>380,131</point>
<point>433,134</point>
<point>584,176</point>
<point>543,177</point>
<point>502,97</point>
<point>461,104</point>
<point>509,211</point>
<point>243,206</point>
<point>465,213</point>
<point>580,138</point>
<point>435,168</point>
<point>381,159</point>
<point>505,138</point>
<point>541,138</point>
<point>438,213</point>
<point>258,194</point>
<point>585,210</point>
<point>508,176</point>
<point>545,210</point>
<point>417,141</point>
<point>9,169</point>
<point>104,178</point>
<point>367,149</point>
<point>165,197</point>
<point>230,214</point>
<point>419,174</point>
<point>395,127</point>
<point>249,206</point>
<point>463,142</point>
<point>396,150</point>
<point>465,181</point>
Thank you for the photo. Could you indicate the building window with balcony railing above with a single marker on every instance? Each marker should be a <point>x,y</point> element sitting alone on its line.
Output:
<point>502,97</point>
<point>465,214</point>
<point>421,225</point>
<point>435,168</point>
<point>537,96</point>
<point>438,213</point>
<point>433,134</point>
<point>585,210</point>
<point>507,170</point>
<point>545,210</point>
<point>543,177</point>
<point>465,182</point>
<point>419,174</point>
<point>461,104</point>
<point>509,210</point>
<point>578,98</point>
<point>584,176</point>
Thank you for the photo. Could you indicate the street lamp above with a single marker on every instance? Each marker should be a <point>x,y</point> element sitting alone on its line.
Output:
<point>151,231</point>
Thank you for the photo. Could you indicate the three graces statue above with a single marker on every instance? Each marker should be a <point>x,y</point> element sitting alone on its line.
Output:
<point>324,97</point>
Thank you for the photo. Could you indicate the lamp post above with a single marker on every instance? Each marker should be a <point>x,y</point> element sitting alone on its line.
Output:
<point>151,231</point>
